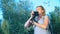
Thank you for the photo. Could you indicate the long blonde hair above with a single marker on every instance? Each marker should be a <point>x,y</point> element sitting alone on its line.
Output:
<point>42,9</point>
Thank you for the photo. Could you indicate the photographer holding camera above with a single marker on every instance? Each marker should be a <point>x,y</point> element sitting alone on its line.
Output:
<point>40,21</point>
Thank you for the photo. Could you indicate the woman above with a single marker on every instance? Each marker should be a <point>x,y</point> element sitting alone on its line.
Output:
<point>41,27</point>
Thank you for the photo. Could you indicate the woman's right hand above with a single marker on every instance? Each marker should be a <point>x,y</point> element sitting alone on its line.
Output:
<point>32,13</point>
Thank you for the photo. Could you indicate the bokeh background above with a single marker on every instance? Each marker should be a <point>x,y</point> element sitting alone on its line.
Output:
<point>14,13</point>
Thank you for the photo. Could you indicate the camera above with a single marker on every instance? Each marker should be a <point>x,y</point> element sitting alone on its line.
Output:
<point>36,13</point>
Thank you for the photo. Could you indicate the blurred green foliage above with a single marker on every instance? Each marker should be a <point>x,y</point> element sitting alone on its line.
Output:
<point>15,15</point>
<point>55,20</point>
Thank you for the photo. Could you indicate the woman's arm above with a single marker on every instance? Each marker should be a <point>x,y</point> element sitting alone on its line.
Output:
<point>27,23</point>
<point>46,21</point>
<point>29,20</point>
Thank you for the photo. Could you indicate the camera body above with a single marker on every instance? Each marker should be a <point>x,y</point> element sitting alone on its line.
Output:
<point>36,13</point>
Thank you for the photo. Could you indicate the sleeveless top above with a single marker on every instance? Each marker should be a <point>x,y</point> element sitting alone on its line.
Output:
<point>38,30</point>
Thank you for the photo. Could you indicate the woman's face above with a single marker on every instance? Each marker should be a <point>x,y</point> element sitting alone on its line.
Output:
<point>39,9</point>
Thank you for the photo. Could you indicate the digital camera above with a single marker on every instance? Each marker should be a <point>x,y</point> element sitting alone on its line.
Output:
<point>36,13</point>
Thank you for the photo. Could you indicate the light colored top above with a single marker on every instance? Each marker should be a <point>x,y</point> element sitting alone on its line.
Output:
<point>38,30</point>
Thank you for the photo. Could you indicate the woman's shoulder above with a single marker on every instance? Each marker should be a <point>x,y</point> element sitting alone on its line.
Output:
<point>46,16</point>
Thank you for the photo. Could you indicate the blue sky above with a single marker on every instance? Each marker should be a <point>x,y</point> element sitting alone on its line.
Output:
<point>1,17</point>
<point>47,4</point>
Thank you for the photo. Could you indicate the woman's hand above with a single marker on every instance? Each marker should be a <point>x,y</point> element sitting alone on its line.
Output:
<point>32,13</point>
